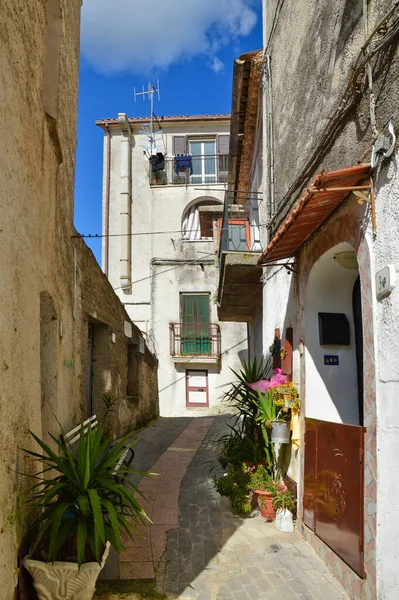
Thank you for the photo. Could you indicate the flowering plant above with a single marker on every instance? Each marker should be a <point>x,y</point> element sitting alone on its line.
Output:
<point>285,389</point>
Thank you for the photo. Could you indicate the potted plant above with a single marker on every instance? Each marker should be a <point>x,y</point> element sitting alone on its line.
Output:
<point>79,509</point>
<point>262,484</point>
<point>283,503</point>
<point>285,394</point>
<point>280,427</point>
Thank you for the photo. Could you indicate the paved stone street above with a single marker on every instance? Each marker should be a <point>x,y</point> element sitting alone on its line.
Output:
<point>196,549</point>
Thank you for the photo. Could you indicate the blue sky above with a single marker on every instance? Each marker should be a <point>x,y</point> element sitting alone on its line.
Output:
<point>190,47</point>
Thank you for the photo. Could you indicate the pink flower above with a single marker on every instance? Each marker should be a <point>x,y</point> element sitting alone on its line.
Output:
<point>261,385</point>
<point>264,385</point>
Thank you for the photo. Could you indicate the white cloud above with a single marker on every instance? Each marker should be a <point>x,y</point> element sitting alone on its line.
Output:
<point>143,35</point>
<point>216,64</point>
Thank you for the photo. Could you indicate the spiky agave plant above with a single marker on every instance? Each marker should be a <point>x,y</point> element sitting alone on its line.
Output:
<point>78,501</point>
<point>245,399</point>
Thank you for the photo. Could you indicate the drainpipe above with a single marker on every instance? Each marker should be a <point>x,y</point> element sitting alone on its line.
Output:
<point>125,220</point>
<point>269,101</point>
<point>107,196</point>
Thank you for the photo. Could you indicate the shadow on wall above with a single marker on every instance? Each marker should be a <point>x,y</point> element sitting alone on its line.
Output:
<point>331,370</point>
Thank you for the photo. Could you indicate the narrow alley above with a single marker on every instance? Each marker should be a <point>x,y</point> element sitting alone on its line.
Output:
<point>196,549</point>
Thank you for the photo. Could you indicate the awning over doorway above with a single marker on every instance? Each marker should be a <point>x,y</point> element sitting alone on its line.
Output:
<point>322,197</point>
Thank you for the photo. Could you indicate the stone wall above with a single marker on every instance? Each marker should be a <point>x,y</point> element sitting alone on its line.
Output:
<point>46,302</point>
<point>122,363</point>
<point>310,72</point>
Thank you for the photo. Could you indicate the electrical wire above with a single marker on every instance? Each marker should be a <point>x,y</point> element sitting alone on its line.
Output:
<point>381,36</point>
<point>148,233</point>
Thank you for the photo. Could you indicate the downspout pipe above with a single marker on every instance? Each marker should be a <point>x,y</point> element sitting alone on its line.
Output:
<point>107,197</point>
<point>125,219</point>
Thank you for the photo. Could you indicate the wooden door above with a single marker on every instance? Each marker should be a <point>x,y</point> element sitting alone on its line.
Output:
<point>197,388</point>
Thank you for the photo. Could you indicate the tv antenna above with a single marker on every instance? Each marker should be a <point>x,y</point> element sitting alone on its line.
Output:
<point>149,94</point>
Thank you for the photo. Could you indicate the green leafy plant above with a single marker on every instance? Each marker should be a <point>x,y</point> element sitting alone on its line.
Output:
<point>260,479</point>
<point>284,500</point>
<point>109,402</point>
<point>234,485</point>
<point>237,448</point>
<point>77,503</point>
<point>243,398</point>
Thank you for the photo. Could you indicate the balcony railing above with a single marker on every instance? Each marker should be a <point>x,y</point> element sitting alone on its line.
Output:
<point>202,169</point>
<point>195,339</point>
<point>240,227</point>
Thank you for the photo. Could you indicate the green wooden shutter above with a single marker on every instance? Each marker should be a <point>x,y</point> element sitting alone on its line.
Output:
<point>195,324</point>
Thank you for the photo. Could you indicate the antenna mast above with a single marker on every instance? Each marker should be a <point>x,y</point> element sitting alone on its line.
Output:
<point>150,95</point>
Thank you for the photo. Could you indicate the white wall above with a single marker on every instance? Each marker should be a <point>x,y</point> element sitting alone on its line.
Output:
<point>172,390</point>
<point>153,301</point>
<point>386,251</point>
<point>331,391</point>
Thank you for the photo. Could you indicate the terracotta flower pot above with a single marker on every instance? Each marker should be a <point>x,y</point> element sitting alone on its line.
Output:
<point>265,502</point>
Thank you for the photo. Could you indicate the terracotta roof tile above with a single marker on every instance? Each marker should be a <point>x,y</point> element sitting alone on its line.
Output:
<point>316,205</point>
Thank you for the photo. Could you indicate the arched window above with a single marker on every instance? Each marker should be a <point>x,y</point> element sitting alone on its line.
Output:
<point>196,224</point>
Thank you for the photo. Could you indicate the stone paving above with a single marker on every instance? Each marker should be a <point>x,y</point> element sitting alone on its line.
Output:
<point>196,548</point>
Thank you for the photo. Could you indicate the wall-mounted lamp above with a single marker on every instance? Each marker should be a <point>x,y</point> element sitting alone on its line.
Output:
<point>347,259</point>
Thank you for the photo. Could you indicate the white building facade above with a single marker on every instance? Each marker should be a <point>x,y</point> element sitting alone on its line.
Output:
<point>161,225</point>
<point>327,98</point>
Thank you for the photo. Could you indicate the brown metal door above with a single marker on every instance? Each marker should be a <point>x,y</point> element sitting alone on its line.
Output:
<point>333,490</point>
<point>310,474</point>
<point>339,489</point>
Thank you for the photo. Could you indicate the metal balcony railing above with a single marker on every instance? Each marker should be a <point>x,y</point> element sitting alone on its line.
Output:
<point>240,226</point>
<point>203,169</point>
<point>195,339</point>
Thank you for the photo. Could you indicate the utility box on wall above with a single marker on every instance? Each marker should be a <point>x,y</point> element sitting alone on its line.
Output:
<point>334,329</point>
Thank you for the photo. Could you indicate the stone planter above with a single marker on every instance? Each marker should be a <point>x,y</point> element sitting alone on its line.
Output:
<point>280,433</point>
<point>64,580</point>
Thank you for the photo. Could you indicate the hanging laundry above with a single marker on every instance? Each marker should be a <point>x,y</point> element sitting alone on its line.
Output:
<point>157,162</point>
<point>183,162</point>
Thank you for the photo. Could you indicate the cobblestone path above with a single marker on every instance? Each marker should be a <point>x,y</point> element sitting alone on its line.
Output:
<point>196,548</point>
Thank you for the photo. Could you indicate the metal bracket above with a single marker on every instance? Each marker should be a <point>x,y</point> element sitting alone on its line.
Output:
<point>288,266</point>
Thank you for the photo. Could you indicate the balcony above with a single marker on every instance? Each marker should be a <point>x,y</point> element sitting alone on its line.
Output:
<point>239,292</point>
<point>195,342</point>
<point>200,170</point>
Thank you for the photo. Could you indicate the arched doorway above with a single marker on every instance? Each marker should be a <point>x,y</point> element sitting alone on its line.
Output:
<point>333,333</point>
<point>334,442</point>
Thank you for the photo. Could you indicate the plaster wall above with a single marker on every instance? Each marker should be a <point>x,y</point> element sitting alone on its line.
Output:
<point>49,282</point>
<point>156,210</point>
<point>166,307</point>
<point>280,310</point>
<point>36,203</point>
<point>164,265</point>
<point>386,251</point>
<point>310,71</point>
<point>331,391</point>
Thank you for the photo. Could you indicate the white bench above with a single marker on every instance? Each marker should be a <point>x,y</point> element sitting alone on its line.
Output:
<point>73,437</point>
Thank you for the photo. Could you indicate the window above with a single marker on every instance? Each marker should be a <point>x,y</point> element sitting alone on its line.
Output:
<point>239,237</point>
<point>195,318</point>
<point>210,158</point>
<point>204,161</point>
<point>198,225</point>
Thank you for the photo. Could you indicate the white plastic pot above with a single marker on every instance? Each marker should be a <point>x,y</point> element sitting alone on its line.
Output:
<point>280,433</point>
<point>284,520</point>
<point>64,580</point>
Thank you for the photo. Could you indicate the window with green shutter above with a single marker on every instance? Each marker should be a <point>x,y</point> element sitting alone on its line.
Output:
<point>195,320</point>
